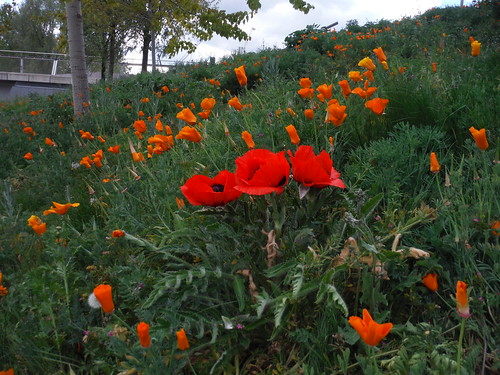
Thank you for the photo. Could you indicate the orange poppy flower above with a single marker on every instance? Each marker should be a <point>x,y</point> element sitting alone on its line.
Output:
<point>189,133</point>
<point>346,89</point>
<point>434,67</point>
<point>434,164</point>
<point>180,203</point>
<point>101,139</point>
<point>369,74</point>
<point>364,94</point>
<point>462,300</point>
<point>292,132</point>
<point>367,63</point>
<point>140,126</point>
<point>370,331</point>
<point>159,126</point>
<point>355,76</point>
<point>49,142</point>
<point>114,149</point>
<point>385,65</point>
<point>137,157</point>
<point>479,137</point>
<point>86,135</point>
<point>182,341</point>
<point>208,104</point>
<point>204,114</point>
<point>140,114</point>
<point>336,113</point>
<point>86,161</point>
<point>28,156</point>
<point>494,228</point>
<point>165,89</point>
<point>143,334</point>
<point>162,142</point>
<point>309,113</point>
<point>104,295</point>
<point>3,292</point>
<point>59,208</point>
<point>305,83</point>
<point>380,54</point>
<point>187,115</point>
<point>241,75</point>
<point>247,137</point>
<point>27,130</point>
<point>144,100</point>
<point>325,90</point>
<point>235,103</point>
<point>118,233</point>
<point>37,224</point>
<point>306,93</point>
<point>291,112</point>
<point>475,48</point>
<point>377,105</point>
<point>430,281</point>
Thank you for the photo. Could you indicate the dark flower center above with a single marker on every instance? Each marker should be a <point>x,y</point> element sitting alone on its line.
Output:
<point>218,188</point>
<point>282,181</point>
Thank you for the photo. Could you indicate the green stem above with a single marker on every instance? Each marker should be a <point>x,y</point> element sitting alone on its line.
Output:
<point>459,351</point>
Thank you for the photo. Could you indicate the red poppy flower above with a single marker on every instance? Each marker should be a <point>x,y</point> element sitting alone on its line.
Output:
<point>260,172</point>
<point>314,170</point>
<point>205,191</point>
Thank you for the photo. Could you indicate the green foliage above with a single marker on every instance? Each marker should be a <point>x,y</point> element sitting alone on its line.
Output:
<point>264,284</point>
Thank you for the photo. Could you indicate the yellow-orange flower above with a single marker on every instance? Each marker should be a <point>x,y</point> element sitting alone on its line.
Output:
<point>462,300</point>
<point>292,132</point>
<point>241,75</point>
<point>49,142</point>
<point>365,94</point>
<point>367,63</point>
<point>104,295</point>
<point>385,65</point>
<point>479,137</point>
<point>355,76</point>
<point>370,331</point>
<point>37,225</point>
<point>162,142</point>
<point>430,281</point>
<point>377,105</point>
<point>434,164</point>
<point>187,115</point>
<point>59,208</point>
<point>475,48</point>
<point>143,334</point>
<point>247,137</point>
<point>189,133</point>
<point>204,114</point>
<point>86,135</point>
<point>182,340</point>
<point>28,156</point>
<point>291,112</point>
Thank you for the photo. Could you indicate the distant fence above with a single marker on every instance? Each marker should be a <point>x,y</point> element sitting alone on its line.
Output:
<point>58,63</point>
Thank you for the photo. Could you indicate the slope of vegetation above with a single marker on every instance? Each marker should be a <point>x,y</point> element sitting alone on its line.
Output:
<point>264,278</point>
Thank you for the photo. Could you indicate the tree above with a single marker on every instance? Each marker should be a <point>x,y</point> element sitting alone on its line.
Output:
<point>80,82</point>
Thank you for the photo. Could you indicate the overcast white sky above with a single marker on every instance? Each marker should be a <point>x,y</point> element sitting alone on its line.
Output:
<point>277,19</point>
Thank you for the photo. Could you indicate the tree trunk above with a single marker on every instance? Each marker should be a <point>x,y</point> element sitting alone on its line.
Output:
<point>146,37</point>
<point>80,82</point>
<point>153,51</point>
<point>112,51</point>
<point>104,56</point>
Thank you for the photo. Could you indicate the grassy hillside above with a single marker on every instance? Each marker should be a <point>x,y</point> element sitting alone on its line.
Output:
<point>262,254</point>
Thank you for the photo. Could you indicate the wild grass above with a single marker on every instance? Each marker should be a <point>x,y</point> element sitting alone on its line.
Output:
<point>251,302</point>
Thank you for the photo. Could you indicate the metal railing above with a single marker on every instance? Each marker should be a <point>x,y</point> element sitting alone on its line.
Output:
<point>58,63</point>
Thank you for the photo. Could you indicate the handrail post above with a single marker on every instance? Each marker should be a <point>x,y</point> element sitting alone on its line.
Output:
<point>54,67</point>
<point>21,67</point>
